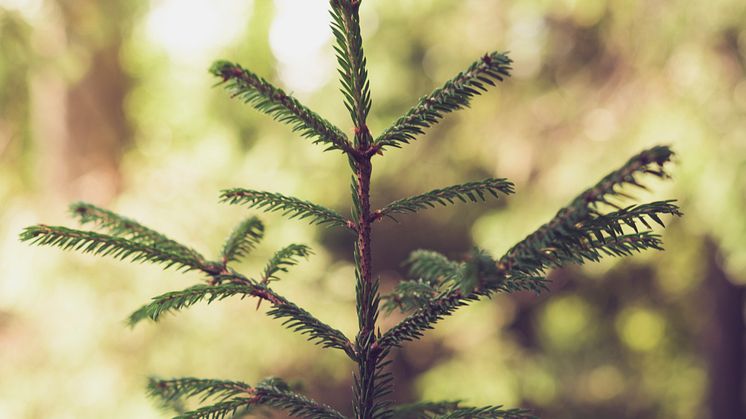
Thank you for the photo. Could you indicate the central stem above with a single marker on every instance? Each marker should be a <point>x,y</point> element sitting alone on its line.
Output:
<point>367,322</point>
<point>367,295</point>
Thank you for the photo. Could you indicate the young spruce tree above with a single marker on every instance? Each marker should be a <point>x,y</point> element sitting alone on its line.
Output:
<point>594,225</point>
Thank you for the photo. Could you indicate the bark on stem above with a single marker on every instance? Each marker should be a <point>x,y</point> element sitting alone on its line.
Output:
<point>366,346</point>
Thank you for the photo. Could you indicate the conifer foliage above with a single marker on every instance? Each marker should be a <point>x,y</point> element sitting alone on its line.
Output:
<point>600,222</point>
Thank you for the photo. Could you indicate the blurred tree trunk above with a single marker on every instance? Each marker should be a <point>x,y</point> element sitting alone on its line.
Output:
<point>724,339</point>
<point>97,128</point>
<point>81,126</point>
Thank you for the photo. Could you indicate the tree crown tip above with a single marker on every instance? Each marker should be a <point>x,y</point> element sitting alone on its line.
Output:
<point>659,154</point>
<point>31,232</point>
<point>225,69</point>
<point>79,207</point>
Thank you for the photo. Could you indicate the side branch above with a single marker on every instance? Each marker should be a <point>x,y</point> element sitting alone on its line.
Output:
<point>235,395</point>
<point>243,239</point>
<point>455,94</point>
<point>423,410</point>
<point>467,192</point>
<point>271,100</point>
<point>453,409</point>
<point>187,387</point>
<point>300,320</point>
<point>127,228</point>
<point>581,219</point>
<point>283,259</point>
<point>577,234</point>
<point>295,317</point>
<point>487,412</point>
<point>117,247</point>
<point>292,207</point>
<point>414,325</point>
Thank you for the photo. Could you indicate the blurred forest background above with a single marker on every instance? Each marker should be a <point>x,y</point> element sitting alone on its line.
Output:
<point>110,102</point>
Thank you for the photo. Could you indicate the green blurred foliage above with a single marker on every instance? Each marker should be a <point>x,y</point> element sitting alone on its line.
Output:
<point>595,81</point>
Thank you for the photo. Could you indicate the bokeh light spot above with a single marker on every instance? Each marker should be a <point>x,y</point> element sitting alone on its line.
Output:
<point>641,329</point>
<point>605,382</point>
<point>298,36</point>
<point>565,320</point>
<point>190,29</point>
<point>600,124</point>
<point>28,8</point>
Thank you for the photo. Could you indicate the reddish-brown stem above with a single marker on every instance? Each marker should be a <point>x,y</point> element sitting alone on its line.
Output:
<point>367,351</point>
<point>367,355</point>
<point>364,231</point>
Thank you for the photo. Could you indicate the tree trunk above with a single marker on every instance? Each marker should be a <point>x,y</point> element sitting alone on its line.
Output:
<point>724,339</point>
<point>80,127</point>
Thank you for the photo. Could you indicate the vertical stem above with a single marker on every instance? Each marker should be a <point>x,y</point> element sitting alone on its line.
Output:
<point>364,238</point>
<point>346,28</point>
<point>367,298</point>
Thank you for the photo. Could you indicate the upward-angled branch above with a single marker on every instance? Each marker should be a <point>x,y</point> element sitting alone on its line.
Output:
<point>452,409</point>
<point>531,255</point>
<point>578,233</point>
<point>352,64</point>
<point>467,192</point>
<point>482,276</point>
<point>106,245</point>
<point>187,387</point>
<point>414,326</point>
<point>294,317</point>
<point>271,100</point>
<point>293,207</point>
<point>120,226</point>
<point>409,295</point>
<point>236,395</point>
<point>423,410</point>
<point>432,266</point>
<point>455,94</point>
<point>487,412</point>
<point>283,259</point>
<point>243,239</point>
<point>178,300</point>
